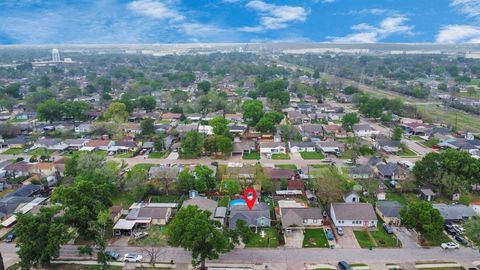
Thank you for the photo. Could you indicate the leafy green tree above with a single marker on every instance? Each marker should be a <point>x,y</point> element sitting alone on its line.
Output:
<point>230,187</point>
<point>349,120</point>
<point>265,125</point>
<point>50,110</point>
<point>386,117</point>
<point>204,86</point>
<point>117,111</point>
<point>472,228</point>
<point>397,134</point>
<point>82,202</point>
<point>421,216</point>
<point>350,90</point>
<point>210,145</point>
<point>275,117</point>
<point>224,144</point>
<point>100,227</point>
<point>185,182</point>
<point>179,95</point>
<point>205,174</point>
<point>192,145</point>
<point>147,126</point>
<point>12,90</point>
<point>289,132</point>
<point>147,102</point>
<point>193,230</point>
<point>244,231</point>
<point>40,237</point>
<point>219,125</point>
<point>252,111</point>
<point>159,142</point>
<point>76,110</point>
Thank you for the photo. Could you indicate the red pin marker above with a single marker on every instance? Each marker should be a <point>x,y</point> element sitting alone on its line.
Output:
<point>250,196</point>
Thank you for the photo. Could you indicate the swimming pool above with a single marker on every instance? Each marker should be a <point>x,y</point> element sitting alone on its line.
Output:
<point>238,202</point>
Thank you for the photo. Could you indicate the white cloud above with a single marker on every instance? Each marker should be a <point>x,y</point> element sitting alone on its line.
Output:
<point>156,9</point>
<point>327,1</point>
<point>370,34</point>
<point>274,17</point>
<point>471,8</point>
<point>375,12</point>
<point>231,1</point>
<point>453,34</point>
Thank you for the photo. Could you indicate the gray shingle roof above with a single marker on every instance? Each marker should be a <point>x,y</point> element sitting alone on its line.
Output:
<point>354,211</point>
<point>389,208</point>
<point>249,215</point>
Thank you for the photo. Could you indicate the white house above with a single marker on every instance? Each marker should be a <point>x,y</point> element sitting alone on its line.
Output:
<point>351,197</point>
<point>356,215</point>
<point>83,128</point>
<point>272,148</point>
<point>296,147</point>
<point>364,130</point>
<point>50,144</point>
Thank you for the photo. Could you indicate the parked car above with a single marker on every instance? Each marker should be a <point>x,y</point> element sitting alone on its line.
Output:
<point>449,245</point>
<point>448,226</point>
<point>329,234</point>
<point>452,232</point>
<point>458,228</point>
<point>348,162</point>
<point>340,231</point>
<point>10,237</point>
<point>388,228</point>
<point>132,257</point>
<point>138,235</point>
<point>343,265</point>
<point>327,160</point>
<point>112,254</point>
<point>461,239</point>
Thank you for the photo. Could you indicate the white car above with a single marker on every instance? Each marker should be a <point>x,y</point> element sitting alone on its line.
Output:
<point>450,245</point>
<point>132,257</point>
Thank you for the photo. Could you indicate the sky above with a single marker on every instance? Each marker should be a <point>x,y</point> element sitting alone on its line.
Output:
<point>239,21</point>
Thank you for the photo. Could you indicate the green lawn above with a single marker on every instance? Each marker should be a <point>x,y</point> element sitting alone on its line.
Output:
<point>40,152</point>
<point>382,238</point>
<point>280,156</point>
<point>311,155</point>
<point>223,202</point>
<point>286,166</point>
<point>436,241</point>
<point>124,155</point>
<point>164,199</point>
<point>406,152</point>
<point>416,138</point>
<point>14,151</point>
<point>156,237</point>
<point>394,196</point>
<point>364,239</point>
<point>156,155</point>
<point>270,239</point>
<point>252,156</point>
<point>315,238</point>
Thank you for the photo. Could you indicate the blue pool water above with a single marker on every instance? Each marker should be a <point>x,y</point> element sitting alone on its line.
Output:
<point>238,202</point>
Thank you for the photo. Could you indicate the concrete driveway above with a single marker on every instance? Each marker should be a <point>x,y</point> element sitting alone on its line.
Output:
<point>294,239</point>
<point>348,239</point>
<point>407,238</point>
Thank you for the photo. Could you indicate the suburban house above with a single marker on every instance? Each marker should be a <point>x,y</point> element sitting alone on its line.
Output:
<point>392,171</point>
<point>75,144</point>
<point>389,211</point>
<point>44,169</point>
<point>300,218</point>
<point>415,128</point>
<point>171,116</point>
<point>217,213</point>
<point>243,147</point>
<point>333,130</point>
<point>21,168</point>
<point>387,145</point>
<point>331,147</point>
<point>236,129</point>
<point>455,212</point>
<point>361,172</point>
<point>123,146</point>
<point>205,129</point>
<point>272,148</point>
<point>235,117</point>
<point>50,144</point>
<point>10,202</point>
<point>99,144</point>
<point>240,171</point>
<point>296,147</point>
<point>194,117</point>
<point>363,130</point>
<point>150,213</point>
<point>311,130</point>
<point>356,215</point>
<point>83,128</point>
<point>296,117</point>
<point>17,142</point>
<point>258,216</point>
<point>277,174</point>
<point>164,172</point>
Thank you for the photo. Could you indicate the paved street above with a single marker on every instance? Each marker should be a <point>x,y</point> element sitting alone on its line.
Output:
<point>290,257</point>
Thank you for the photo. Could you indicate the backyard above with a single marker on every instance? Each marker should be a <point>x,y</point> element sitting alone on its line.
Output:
<point>311,155</point>
<point>270,239</point>
<point>251,156</point>
<point>315,238</point>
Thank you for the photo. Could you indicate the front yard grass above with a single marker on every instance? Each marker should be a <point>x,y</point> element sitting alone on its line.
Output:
<point>13,151</point>
<point>315,238</point>
<point>251,156</point>
<point>364,239</point>
<point>280,156</point>
<point>286,166</point>
<point>311,155</point>
<point>41,152</point>
<point>406,152</point>
<point>269,241</point>
<point>124,155</point>
<point>156,237</point>
<point>156,155</point>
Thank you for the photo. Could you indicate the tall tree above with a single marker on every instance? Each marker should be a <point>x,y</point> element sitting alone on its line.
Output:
<point>472,228</point>
<point>76,110</point>
<point>205,174</point>
<point>224,144</point>
<point>50,110</point>
<point>40,237</point>
<point>100,227</point>
<point>252,111</point>
<point>219,126</point>
<point>147,126</point>
<point>117,111</point>
<point>159,142</point>
<point>204,86</point>
<point>193,230</point>
<point>192,145</point>
<point>147,102</point>
<point>397,134</point>
<point>265,125</point>
<point>349,120</point>
<point>421,216</point>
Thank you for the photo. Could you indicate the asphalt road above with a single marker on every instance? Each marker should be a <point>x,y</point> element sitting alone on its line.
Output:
<point>291,256</point>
